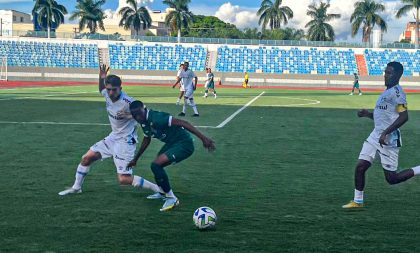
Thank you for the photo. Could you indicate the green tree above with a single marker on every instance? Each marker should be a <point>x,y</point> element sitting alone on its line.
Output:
<point>212,27</point>
<point>180,17</point>
<point>132,16</point>
<point>273,14</point>
<point>90,15</point>
<point>366,15</point>
<point>49,13</point>
<point>408,6</point>
<point>319,29</point>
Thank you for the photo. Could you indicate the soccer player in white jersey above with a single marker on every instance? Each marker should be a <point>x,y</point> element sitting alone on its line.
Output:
<point>120,144</point>
<point>389,115</point>
<point>186,77</point>
<point>181,85</point>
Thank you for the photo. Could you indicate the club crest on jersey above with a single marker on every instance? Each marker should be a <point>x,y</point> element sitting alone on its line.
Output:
<point>382,107</point>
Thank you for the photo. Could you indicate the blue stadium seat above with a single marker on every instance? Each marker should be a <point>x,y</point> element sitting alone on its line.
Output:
<point>377,60</point>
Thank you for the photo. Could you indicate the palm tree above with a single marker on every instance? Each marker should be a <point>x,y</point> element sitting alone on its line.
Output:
<point>179,17</point>
<point>90,14</point>
<point>411,5</point>
<point>366,14</point>
<point>273,14</point>
<point>49,13</point>
<point>319,29</point>
<point>138,18</point>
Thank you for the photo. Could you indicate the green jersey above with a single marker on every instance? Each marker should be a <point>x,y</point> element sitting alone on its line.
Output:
<point>159,125</point>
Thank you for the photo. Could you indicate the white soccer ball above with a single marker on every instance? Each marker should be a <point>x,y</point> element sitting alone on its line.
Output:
<point>204,218</point>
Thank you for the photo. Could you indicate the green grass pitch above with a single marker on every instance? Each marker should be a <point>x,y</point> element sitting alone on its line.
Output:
<point>277,180</point>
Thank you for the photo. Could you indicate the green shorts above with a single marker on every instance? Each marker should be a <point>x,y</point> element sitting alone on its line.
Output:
<point>356,85</point>
<point>176,152</point>
<point>210,85</point>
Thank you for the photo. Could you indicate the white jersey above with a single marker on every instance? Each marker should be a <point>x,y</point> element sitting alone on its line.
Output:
<point>386,113</point>
<point>124,127</point>
<point>179,75</point>
<point>187,78</point>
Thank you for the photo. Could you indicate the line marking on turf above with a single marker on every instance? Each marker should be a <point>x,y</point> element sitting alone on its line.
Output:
<point>311,102</point>
<point>56,94</point>
<point>231,117</point>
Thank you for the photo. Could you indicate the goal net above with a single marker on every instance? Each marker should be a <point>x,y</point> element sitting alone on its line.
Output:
<point>3,68</point>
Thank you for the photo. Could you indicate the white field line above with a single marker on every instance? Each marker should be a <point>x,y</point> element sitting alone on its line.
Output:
<point>231,117</point>
<point>56,94</point>
<point>310,102</point>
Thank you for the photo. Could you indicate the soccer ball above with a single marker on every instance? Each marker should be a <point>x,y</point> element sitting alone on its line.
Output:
<point>204,218</point>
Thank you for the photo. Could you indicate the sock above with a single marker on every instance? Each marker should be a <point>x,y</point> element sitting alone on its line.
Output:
<point>416,170</point>
<point>81,173</point>
<point>170,194</point>
<point>192,104</point>
<point>178,100</point>
<point>205,93</point>
<point>140,182</point>
<point>161,177</point>
<point>184,107</point>
<point>358,196</point>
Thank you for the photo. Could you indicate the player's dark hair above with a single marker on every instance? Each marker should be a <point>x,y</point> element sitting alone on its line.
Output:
<point>135,105</point>
<point>398,68</point>
<point>114,80</point>
<point>187,63</point>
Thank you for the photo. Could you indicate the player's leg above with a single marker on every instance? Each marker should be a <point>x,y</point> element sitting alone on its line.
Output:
<point>184,106</point>
<point>206,89</point>
<point>189,93</point>
<point>170,154</point>
<point>366,157</point>
<point>181,95</point>
<point>389,160</point>
<point>96,152</point>
<point>124,153</point>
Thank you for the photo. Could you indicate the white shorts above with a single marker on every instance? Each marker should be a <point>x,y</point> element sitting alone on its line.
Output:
<point>387,154</point>
<point>121,152</point>
<point>181,87</point>
<point>189,93</point>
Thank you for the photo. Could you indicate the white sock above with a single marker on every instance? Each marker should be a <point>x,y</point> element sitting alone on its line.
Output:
<point>184,106</point>
<point>358,196</point>
<point>81,173</point>
<point>192,103</point>
<point>170,194</point>
<point>416,170</point>
<point>140,182</point>
<point>178,100</point>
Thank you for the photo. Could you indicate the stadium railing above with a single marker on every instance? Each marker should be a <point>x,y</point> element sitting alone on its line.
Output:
<point>168,39</point>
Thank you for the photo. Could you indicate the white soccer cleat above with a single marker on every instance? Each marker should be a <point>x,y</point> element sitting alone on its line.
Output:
<point>170,203</point>
<point>70,191</point>
<point>351,94</point>
<point>360,94</point>
<point>157,195</point>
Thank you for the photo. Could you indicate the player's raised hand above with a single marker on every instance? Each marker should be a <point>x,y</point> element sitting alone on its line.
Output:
<point>209,144</point>
<point>363,113</point>
<point>103,71</point>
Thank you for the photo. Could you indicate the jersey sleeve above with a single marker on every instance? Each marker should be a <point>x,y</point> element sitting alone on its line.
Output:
<point>400,100</point>
<point>104,93</point>
<point>162,120</point>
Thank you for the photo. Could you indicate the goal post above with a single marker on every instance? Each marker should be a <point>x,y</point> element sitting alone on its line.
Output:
<point>3,68</point>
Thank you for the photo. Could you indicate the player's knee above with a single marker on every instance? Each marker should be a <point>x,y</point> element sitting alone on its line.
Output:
<point>86,160</point>
<point>125,179</point>
<point>361,168</point>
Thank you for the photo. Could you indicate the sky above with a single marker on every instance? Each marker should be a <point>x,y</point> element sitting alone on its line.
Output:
<point>242,13</point>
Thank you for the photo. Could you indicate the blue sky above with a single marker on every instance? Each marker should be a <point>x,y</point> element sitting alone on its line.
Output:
<point>242,12</point>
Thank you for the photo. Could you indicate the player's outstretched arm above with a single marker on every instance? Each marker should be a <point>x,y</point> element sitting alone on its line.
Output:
<point>402,118</point>
<point>178,79</point>
<point>103,71</point>
<point>207,142</point>
<point>195,82</point>
<point>144,144</point>
<point>365,114</point>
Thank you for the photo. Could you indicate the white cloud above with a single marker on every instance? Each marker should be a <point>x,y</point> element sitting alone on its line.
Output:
<point>238,16</point>
<point>246,17</point>
<point>14,1</point>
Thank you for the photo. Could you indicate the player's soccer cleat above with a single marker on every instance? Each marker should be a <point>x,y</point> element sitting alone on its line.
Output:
<point>181,114</point>
<point>170,203</point>
<point>157,195</point>
<point>351,94</point>
<point>360,94</point>
<point>196,115</point>
<point>177,102</point>
<point>353,205</point>
<point>215,96</point>
<point>70,191</point>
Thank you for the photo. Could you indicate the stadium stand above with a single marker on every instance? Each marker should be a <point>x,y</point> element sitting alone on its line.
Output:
<point>377,60</point>
<point>293,61</point>
<point>46,54</point>
<point>156,57</point>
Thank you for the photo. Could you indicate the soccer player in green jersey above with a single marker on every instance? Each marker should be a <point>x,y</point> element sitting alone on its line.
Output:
<point>356,85</point>
<point>210,83</point>
<point>178,146</point>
